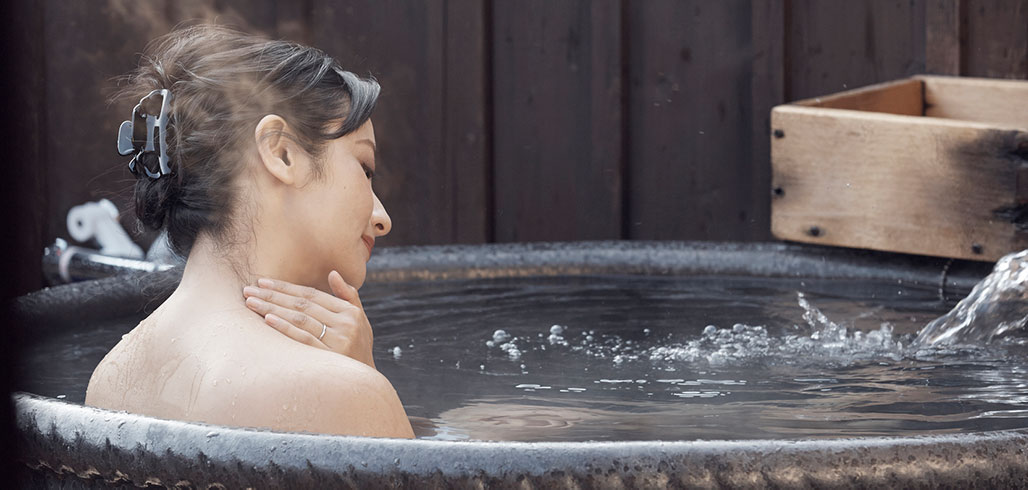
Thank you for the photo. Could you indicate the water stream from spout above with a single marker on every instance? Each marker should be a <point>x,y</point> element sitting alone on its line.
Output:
<point>996,306</point>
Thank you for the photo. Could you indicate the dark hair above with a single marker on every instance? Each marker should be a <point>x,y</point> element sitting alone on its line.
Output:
<point>222,83</point>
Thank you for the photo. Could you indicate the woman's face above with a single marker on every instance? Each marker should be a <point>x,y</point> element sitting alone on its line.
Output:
<point>345,216</point>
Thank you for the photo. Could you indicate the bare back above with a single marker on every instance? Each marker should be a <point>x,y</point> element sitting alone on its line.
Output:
<point>236,371</point>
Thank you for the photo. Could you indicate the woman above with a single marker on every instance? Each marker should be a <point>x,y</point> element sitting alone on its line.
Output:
<point>256,156</point>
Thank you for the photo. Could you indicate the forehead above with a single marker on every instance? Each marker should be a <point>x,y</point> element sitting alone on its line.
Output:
<point>366,131</point>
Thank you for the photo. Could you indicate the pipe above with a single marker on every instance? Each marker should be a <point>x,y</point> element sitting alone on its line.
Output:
<point>65,264</point>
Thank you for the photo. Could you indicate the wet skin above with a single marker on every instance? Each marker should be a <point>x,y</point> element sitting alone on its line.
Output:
<point>229,349</point>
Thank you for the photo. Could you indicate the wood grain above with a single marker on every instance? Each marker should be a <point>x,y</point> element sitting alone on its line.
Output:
<point>690,122</point>
<point>467,139</point>
<point>943,30</point>
<point>26,187</point>
<point>835,46</point>
<point>767,89</point>
<point>897,183</point>
<point>402,44</point>
<point>1001,102</point>
<point>82,61</point>
<point>557,120</point>
<point>996,44</point>
<point>903,97</point>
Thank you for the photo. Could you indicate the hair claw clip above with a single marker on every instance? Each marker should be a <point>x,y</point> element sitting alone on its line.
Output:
<point>146,132</point>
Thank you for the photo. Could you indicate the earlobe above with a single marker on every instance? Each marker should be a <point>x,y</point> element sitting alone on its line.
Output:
<point>275,149</point>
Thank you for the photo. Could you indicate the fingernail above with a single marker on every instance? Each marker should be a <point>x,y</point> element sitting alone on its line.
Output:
<point>251,291</point>
<point>254,302</point>
<point>264,283</point>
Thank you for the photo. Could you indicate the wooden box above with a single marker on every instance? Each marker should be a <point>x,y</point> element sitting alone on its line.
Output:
<point>925,165</point>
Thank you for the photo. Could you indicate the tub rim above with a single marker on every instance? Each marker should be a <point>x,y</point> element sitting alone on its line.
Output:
<point>68,438</point>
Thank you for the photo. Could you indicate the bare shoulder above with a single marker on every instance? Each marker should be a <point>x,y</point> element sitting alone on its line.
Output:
<point>332,394</point>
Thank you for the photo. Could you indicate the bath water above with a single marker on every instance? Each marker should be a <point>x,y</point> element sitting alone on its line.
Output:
<point>575,358</point>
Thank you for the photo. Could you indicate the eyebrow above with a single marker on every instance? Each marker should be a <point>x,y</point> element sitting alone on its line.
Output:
<point>370,143</point>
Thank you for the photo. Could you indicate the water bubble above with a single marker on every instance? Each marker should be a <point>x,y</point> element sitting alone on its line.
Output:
<point>397,352</point>
<point>500,336</point>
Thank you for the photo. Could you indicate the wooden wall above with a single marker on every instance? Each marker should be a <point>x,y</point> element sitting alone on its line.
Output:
<point>515,120</point>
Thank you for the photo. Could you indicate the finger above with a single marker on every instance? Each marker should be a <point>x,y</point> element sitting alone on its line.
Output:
<point>327,301</point>
<point>296,303</point>
<point>291,331</point>
<point>298,319</point>
<point>343,290</point>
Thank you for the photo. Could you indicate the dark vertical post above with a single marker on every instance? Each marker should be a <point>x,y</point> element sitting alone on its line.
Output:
<point>690,121</point>
<point>942,37</point>
<point>767,90</point>
<point>834,46</point>
<point>997,38</point>
<point>466,136</point>
<point>557,120</point>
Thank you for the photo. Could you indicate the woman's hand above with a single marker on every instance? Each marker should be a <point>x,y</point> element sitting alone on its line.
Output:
<point>302,313</point>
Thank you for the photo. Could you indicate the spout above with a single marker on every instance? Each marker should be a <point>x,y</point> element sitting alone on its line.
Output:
<point>64,264</point>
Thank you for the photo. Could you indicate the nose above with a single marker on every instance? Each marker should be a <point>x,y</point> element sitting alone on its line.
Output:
<point>380,219</point>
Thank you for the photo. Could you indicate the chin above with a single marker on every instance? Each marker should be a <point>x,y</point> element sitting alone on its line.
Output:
<point>355,276</point>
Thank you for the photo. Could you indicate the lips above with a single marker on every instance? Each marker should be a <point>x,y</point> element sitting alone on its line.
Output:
<point>370,242</point>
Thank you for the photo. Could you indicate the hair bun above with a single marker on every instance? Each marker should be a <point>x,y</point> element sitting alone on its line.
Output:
<point>154,197</point>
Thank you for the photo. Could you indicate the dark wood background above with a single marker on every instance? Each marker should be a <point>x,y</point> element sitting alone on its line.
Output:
<point>506,120</point>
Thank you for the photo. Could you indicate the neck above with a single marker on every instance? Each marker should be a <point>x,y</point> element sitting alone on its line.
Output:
<point>213,278</point>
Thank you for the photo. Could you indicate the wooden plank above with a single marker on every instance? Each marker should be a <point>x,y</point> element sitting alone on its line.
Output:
<point>897,183</point>
<point>904,97</point>
<point>1001,102</point>
<point>466,136</point>
<point>835,46</point>
<point>690,122</point>
<point>255,17</point>
<point>83,55</point>
<point>767,90</point>
<point>996,45</point>
<point>942,37</point>
<point>403,45</point>
<point>557,120</point>
<point>25,187</point>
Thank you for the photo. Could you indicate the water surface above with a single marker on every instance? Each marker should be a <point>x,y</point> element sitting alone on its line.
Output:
<point>656,358</point>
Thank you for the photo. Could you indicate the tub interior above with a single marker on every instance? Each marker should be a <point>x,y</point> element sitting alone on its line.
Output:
<point>628,357</point>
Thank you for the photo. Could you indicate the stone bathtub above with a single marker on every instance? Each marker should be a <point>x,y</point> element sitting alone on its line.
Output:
<point>66,444</point>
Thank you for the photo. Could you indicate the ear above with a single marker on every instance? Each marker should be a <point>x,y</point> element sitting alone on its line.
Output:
<point>278,153</point>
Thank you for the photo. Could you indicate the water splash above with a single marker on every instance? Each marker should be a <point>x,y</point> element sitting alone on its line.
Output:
<point>996,306</point>
<point>820,341</point>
